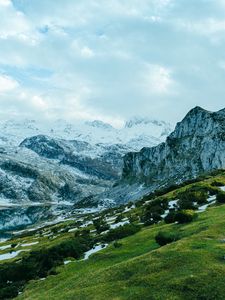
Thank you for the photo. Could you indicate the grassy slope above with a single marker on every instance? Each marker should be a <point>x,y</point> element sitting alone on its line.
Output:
<point>191,268</point>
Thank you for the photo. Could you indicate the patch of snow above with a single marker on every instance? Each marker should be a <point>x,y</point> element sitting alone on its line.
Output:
<point>72,229</point>
<point>129,208</point>
<point>94,250</point>
<point>110,219</point>
<point>86,224</point>
<point>5,247</point>
<point>165,213</point>
<point>10,255</point>
<point>211,198</point>
<point>29,244</point>
<point>205,206</point>
<point>2,240</point>
<point>66,262</point>
<point>172,204</point>
<point>113,226</point>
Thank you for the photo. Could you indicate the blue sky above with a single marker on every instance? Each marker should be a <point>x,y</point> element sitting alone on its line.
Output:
<point>111,60</point>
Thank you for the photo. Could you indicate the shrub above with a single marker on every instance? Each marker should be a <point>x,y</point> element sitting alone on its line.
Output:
<point>117,244</point>
<point>120,232</point>
<point>38,264</point>
<point>149,218</point>
<point>133,218</point>
<point>158,203</point>
<point>185,216</point>
<point>119,218</point>
<point>217,183</point>
<point>196,194</point>
<point>170,218</point>
<point>100,225</point>
<point>186,204</point>
<point>220,197</point>
<point>163,238</point>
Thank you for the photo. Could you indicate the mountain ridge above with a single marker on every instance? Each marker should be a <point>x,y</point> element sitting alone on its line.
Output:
<point>194,133</point>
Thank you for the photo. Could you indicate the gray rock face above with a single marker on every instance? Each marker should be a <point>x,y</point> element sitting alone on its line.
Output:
<point>197,145</point>
<point>101,161</point>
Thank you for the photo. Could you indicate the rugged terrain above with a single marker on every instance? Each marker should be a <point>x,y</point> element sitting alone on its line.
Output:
<point>196,146</point>
<point>47,168</point>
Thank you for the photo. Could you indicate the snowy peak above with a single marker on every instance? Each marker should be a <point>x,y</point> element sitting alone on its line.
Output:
<point>99,124</point>
<point>135,121</point>
<point>137,133</point>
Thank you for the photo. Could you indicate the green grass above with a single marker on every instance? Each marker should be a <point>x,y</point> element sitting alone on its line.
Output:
<point>191,268</point>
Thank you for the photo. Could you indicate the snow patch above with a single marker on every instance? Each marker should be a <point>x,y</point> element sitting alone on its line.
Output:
<point>94,250</point>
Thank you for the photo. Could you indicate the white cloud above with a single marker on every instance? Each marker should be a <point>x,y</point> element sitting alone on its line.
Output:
<point>208,27</point>
<point>157,79</point>
<point>15,25</point>
<point>7,84</point>
<point>87,52</point>
<point>5,3</point>
<point>110,59</point>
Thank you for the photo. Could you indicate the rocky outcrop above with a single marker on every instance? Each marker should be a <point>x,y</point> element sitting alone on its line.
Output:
<point>196,145</point>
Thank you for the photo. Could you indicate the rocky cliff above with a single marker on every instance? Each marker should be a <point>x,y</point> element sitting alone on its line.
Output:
<point>196,145</point>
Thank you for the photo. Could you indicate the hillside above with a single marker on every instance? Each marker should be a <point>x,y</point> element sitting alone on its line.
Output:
<point>133,265</point>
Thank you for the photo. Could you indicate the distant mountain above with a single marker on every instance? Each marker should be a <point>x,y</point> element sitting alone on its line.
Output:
<point>196,146</point>
<point>14,132</point>
<point>60,164</point>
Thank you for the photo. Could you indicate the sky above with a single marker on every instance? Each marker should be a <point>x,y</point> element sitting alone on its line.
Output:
<point>111,59</point>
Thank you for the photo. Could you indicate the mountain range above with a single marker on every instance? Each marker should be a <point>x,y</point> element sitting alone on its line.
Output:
<point>59,164</point>
<point>196,146</point>
<point>69,167</point>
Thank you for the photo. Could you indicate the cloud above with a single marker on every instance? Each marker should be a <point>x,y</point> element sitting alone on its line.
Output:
<point>157,79</point>
<point>111,59</point>
<point>7,84</point>
<point>5,3</point>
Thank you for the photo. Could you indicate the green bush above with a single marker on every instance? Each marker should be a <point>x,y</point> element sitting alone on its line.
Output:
<point>117,244</point>
<point>100,225</point>
<point>185,216</point>
<point>170,218</point>
<point>217,183</point>
<point>220,197</point>
<point>195,194</point>
<point>119,218</point>
<point>158,203</point>
<point>133,218</point>
<point>163,238</point>
<point>38,264</point>
<point>149,218</point>
<point>186,204</point>
<point>120,232</point>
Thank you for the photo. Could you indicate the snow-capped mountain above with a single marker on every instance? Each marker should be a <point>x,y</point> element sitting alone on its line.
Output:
<point>60,164</point>
<point>137,132</point>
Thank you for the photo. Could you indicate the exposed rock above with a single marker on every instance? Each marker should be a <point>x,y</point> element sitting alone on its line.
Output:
<point>197,145</point>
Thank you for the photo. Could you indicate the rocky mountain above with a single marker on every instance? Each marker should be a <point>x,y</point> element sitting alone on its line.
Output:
<point>197,145</point>
<point>56,170</point>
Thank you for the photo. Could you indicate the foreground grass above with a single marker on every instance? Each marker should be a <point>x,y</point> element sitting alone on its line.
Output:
<point>191,268</point>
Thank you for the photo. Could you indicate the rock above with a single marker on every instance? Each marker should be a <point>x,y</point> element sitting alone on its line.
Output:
<point>197,145</point>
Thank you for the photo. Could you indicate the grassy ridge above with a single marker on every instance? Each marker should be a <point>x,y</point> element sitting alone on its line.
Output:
<point>191,268</point>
